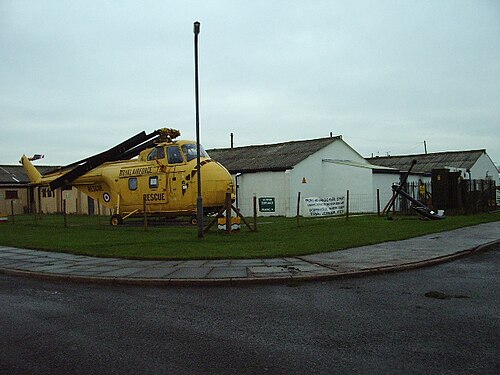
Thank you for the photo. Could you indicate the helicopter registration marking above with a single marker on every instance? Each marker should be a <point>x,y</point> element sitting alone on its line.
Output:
<point>94,188</point>
<point>126,172</point>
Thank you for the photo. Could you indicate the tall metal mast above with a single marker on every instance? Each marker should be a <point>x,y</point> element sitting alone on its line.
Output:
<point>199,201</point>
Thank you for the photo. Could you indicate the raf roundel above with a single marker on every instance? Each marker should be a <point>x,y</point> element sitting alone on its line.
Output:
<point>106,197</point>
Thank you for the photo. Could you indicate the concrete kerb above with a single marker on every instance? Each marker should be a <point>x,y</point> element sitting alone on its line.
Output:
<point>285,279</point>
<point>420,264</point>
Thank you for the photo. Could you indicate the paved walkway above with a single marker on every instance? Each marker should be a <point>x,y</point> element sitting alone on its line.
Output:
<point>384,257</point>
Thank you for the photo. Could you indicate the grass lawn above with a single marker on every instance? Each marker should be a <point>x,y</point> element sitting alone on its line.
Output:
<point>276,237</point>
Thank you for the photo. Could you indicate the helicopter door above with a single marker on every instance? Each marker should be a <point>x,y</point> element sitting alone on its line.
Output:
<point>176,186</point>
<point>154,186</point>
<point>156,198</point>
<point>129,189</point>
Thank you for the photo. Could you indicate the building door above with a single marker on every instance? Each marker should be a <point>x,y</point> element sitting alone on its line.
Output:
<point>90,202</point>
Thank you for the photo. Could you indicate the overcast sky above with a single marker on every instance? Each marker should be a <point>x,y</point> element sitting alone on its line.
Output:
<point>78,77</point>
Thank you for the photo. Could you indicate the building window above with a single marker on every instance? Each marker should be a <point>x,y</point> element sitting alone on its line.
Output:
<point>11,194</point>
<point>47,193</point>
<point>132,183</point>
<point>153,182</point>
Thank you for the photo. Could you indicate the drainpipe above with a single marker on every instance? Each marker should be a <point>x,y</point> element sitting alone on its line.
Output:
<point>236,187</point>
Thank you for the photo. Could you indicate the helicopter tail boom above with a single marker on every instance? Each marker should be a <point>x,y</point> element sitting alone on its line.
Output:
<point>33,174</point>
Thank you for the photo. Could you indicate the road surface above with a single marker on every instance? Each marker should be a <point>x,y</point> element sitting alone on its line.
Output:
<point>441,319</point>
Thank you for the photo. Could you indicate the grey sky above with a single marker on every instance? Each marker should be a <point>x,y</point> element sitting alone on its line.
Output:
<point>78,77</point>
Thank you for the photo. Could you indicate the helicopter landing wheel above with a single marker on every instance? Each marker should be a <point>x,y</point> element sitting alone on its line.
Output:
<point>193,220</point>
<point>116,220</point>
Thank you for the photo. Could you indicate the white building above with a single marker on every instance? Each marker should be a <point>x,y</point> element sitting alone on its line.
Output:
<point>473,164</point>
<point>325,170</point>
<point>321,170</point>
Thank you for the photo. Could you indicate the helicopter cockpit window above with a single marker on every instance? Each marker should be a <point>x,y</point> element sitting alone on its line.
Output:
<point>174,155</point>
<point>157,153</point>
<point>132,183</point>
<point>190,151</point>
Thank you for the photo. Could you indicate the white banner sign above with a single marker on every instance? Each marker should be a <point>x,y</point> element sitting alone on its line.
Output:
<point>326,206</point>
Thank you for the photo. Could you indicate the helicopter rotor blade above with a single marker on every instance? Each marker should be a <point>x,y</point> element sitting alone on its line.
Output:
<point>137,150</point>
<point>113,154</point>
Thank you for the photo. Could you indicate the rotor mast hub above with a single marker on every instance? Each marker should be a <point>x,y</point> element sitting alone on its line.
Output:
<point>167,134</point>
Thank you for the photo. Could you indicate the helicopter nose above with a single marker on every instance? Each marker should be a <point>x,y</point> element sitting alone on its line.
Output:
<point>216,182</point>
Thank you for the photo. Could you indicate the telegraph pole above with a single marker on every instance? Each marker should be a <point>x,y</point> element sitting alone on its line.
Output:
<point>199,201</point>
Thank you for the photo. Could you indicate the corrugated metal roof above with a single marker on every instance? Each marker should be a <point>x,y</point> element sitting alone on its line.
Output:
<point>270,157</point>
<point>427,162</point>
<point>14,174</point>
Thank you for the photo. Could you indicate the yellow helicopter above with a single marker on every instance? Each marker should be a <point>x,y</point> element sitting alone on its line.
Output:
<point>163,178</point>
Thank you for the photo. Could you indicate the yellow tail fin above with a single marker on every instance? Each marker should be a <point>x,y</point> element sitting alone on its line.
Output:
<point>33,174</point>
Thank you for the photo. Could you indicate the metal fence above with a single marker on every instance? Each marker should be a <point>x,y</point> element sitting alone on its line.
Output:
<point>477,196</point>
<point>461,197</point>
<point>274,206</point>
<point>471,196</point>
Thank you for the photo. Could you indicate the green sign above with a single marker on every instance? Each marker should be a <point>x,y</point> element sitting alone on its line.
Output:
<point>267,204</point>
